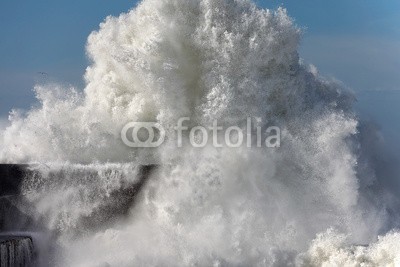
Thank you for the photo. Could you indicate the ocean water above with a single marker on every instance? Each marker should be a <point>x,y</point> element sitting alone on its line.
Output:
<point>328,196</point>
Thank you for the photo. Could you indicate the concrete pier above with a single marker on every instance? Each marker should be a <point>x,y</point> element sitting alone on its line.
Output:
<point>16,251</point>
<point>19,230</point>
<point>12,217</point>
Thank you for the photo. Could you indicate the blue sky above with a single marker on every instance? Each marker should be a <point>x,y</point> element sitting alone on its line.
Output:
<point>356,41</point>
<point>46,36</point>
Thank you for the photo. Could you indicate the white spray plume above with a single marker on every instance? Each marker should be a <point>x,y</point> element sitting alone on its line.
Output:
<point>209,60</point>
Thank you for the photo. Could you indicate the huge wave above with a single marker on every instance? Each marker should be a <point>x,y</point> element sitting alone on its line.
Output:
<point>318,200</point>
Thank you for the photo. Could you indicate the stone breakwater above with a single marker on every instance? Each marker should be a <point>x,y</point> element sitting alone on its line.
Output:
<point>14,212</point>
<point>16,251</point>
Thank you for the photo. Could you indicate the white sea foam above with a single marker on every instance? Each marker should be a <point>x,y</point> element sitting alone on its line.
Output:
<point>208,60</point>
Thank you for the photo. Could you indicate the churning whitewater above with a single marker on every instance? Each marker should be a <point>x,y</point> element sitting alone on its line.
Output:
<point>318,200</point>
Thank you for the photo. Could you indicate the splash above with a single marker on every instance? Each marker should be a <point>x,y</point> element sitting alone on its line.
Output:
<point>207,60</point>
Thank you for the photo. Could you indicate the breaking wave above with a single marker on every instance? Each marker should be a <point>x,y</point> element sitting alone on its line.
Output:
<point>310,202</point>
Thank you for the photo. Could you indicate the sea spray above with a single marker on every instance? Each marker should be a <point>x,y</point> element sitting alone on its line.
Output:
<point>208,60</point>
